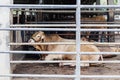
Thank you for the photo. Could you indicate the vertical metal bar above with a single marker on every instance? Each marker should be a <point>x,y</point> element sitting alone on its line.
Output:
<point>4,37</point>
<point>77,71</point>
<point>110,18</point>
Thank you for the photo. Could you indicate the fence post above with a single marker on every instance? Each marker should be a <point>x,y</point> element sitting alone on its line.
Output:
<point>4,38</point>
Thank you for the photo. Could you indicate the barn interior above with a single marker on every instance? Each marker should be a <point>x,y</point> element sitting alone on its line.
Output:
<point>22,16</point>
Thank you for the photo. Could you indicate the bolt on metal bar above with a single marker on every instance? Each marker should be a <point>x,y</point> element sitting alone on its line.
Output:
<point>41,6</point>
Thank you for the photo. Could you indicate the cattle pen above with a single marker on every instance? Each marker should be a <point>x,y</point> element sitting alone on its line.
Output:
<point>76,23</point>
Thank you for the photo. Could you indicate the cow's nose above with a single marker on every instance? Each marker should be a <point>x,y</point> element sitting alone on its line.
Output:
<point>31,41</point>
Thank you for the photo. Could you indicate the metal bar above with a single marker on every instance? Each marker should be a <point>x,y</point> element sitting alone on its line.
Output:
<point>56,29</point>
<point>100,6</point>
<point>78,22</point>
<point>71,11</point>
<point>31,61</point>
<point>65,25</point>
<point>51,52</point>
<point>100,30</point>
<point>58,6</point>
<point>61,61</point>
<point>37,75</point>
<point>51,22</point>
<point>48,11</point>
<point>41,6</point>
<point>100,25</point>
<point>69,43</point>
<point>45,43</point>
<point>113,61</point>
<point>39,29</point>
<point>100,76</point>
<point>35,52</point>
<point>4,39</point>
<point>58,76</point>
<point>42,25</point>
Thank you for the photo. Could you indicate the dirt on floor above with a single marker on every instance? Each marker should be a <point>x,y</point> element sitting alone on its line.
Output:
<point>105,69</point>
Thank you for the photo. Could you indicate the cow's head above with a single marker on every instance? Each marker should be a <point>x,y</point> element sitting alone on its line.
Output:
<point>37,37</point>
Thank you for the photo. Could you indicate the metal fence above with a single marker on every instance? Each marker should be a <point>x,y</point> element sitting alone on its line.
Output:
<point>77,29</point>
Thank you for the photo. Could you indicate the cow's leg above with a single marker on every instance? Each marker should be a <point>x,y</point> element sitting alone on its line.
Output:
<point>53,56</point>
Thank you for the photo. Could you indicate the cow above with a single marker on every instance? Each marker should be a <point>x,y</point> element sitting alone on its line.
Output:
<point>42,37</point>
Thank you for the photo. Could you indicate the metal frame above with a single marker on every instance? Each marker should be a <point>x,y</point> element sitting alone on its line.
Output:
<point>78,29</point>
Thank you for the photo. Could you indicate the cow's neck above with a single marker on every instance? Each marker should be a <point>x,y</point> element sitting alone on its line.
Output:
<point>53,38</point>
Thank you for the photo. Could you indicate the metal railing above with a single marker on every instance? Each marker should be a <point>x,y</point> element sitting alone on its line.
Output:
<point>77,74</point>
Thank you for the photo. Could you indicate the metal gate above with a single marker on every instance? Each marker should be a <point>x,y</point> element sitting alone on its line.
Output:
<point>77,27</point>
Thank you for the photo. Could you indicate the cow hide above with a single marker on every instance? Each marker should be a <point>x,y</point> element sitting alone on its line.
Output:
<point>42,37</point>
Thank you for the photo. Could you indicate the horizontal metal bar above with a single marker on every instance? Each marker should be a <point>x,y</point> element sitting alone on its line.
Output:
<point>58,76</point>
<point>42,25</point>
<point>113,61</point>
<point>51,22</point>
<point>57,29</point>
<point>65,25</point>
<point>100,76</point>
<point>48,11</point>
<point>37,75</point>
<point>39,29</point>
<point>36,52</point>
<point>45,43</point>
<point>69,43</point>
<point>69,11</point>
<point>100,30</point>
<point>61,61</point>
<point>101,25</point>
<point>100,6</point>
<point>117,53</point>
<point>53,61</point>
<point>54,52</point>
<point>101,43</point>
<point>41,6</point>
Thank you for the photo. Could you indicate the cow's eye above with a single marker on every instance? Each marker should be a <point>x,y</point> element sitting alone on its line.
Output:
<point>38,36</point>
